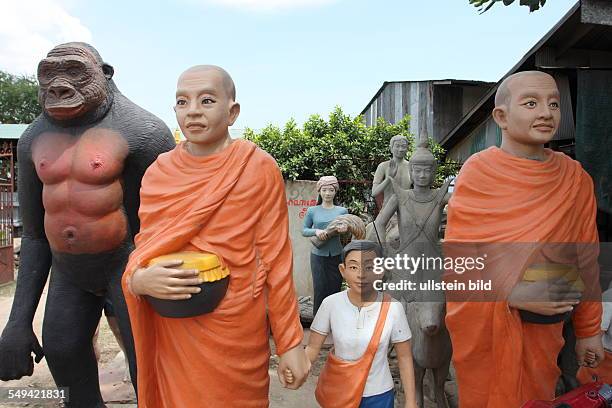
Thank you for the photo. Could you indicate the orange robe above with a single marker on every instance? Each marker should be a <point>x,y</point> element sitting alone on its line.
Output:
<point>232,204</point>
<point>506,205</point>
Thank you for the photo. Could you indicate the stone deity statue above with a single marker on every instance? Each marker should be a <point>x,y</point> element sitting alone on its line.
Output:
<point>419,212</point>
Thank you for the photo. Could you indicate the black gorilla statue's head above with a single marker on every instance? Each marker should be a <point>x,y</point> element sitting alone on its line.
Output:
<point>75,82</point>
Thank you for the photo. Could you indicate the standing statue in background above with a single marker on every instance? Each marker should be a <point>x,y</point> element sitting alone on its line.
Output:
<point>396,168</point>
<point>419,213</point>
<point>80,167</point>
<point>382,189</point>
<point>325,257</point>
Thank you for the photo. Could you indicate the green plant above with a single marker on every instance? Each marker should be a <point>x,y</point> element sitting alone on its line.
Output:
<point>342,146</point>
<point>18,98</point>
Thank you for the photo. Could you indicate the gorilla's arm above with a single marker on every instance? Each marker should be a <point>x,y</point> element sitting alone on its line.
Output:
<point>153,139</point>
<point>35,258</point>
<point>18,340</point>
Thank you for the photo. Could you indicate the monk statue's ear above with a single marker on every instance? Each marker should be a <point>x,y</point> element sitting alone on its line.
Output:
<point>234,112</point>
<point>500,117</point>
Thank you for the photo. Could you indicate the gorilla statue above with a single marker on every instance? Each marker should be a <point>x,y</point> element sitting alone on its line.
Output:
<point>80,166</point>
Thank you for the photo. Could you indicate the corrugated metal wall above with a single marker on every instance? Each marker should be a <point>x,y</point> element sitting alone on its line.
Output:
<point>486,135</point>
<point>399,99</point>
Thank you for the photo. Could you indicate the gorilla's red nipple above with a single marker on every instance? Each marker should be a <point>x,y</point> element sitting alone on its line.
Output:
<point>96,163</point>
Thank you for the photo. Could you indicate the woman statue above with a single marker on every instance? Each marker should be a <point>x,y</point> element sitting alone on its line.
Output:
<point>325,256</point>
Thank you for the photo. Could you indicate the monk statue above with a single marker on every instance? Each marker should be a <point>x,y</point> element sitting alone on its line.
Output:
<point>222,198</point>
<point>382,189</point>
<point>513,205</point>
<point>419,212</point>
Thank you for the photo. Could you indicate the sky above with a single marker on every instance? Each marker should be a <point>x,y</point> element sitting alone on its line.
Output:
<point>288,58</point>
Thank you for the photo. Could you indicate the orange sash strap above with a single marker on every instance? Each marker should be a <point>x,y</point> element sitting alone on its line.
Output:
<point>341,383</point>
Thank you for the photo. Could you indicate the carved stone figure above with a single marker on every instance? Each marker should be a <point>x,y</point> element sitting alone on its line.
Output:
<point>382,189</point>
<point>419,213</point>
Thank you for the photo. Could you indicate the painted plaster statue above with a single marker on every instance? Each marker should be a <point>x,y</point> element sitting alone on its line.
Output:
<point>511,203</point>
<point>80,167</point>
<point>222,197</point>
<point>419,212</point>
<point>349,223</point>
<point>325,258</point>
<point>382,189</point>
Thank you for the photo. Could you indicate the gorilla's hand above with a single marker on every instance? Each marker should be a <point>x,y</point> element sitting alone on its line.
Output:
<point>16,347</point>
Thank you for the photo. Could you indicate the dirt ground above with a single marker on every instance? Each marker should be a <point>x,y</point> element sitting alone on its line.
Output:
<point>119,394</point>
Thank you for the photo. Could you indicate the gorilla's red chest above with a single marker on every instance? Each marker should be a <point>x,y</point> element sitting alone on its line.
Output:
<point>82,191</point>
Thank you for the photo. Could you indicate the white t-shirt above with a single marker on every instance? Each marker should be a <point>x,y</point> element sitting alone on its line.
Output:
<point>352,328</point>
<point>605,319</point>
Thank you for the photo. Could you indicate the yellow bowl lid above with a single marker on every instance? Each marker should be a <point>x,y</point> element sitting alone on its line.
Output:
<point>547,271</point>
<point>208,264</point>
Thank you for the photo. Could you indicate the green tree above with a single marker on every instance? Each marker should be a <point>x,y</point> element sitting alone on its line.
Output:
<point>18,98</point>
<point>485,5</point>
<point>342,146</point>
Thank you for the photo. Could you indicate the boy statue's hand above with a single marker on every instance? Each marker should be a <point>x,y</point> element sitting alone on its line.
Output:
<point>294,366</point>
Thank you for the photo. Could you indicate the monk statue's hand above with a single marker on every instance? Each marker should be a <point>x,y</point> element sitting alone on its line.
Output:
<point>295,361</point>
<point>321,234</point>
<point>547,297</point>
<point>589,351</point>
<point>16,347</point>
<point>162,281</point>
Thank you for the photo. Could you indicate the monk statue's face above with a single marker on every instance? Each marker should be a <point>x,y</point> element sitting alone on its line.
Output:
<point>204,107</point>
<point>531,115</point>
<point>399,149</point>
<point>422,174</point>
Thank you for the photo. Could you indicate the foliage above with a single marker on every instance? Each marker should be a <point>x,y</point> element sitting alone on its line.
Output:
<point>485,5</point>
<point>18,98</point>
<point>340,146</point>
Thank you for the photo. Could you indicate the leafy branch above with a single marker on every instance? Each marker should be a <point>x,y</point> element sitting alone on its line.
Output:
<point>485,5</point>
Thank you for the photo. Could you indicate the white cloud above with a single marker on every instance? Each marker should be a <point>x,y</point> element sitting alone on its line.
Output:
<point>270,5</point>
<point>30,28</point>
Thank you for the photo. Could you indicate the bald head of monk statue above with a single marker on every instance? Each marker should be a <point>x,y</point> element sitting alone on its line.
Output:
<point>527,109</point>
<point>205,108</point>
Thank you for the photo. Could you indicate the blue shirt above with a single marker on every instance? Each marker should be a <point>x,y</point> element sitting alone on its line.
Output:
<point>319,218</point>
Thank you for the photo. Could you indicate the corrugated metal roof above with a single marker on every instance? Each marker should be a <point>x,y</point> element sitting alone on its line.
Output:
<point>10,131</point>
<point>434,81</point>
